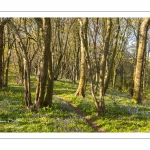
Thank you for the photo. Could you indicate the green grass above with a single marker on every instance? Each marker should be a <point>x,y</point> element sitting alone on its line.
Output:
<point>122,115</point>
<point>15,118</point>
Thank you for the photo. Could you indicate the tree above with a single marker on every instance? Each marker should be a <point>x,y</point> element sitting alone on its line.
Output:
<point>99,103</point>
<point>83,37</point>
<point>49,92</point>
<point>10,43</point>
<point>3,21</point>
<point>137,91</point>
<point>101,110</point>
<point>113,55</point>
<point>44,25</point>
<point>26,62</point>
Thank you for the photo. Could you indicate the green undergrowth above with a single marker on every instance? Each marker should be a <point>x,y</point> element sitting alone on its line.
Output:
<point>121,116</point>
<point>15,118</point>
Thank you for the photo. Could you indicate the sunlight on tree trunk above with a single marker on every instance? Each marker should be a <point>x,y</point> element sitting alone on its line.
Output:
<point>137,94</point>
<point>113,55</point>
<point>83,36</point>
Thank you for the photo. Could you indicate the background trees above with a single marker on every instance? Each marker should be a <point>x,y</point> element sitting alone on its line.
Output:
<point>105,52</point>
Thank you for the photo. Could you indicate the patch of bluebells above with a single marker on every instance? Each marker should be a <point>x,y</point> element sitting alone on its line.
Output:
<point>135,110</point>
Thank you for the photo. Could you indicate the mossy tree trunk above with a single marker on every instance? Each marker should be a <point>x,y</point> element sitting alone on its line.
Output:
<point>138,76</point>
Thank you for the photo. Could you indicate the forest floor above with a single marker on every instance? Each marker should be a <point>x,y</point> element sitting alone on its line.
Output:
<point>70,113</point>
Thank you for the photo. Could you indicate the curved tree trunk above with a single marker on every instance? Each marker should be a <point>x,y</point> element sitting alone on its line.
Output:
<point>83,37</point>
<point>138,76</point>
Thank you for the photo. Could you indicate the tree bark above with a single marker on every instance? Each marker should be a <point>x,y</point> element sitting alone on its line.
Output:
<point>49,92</point>
<point>1,55</point>
<point>137,94</point>
<point>113,56</point>
<point>27,90</point>
<point>83,37</point>
<point>101,109</point>
<point>2,24</point>
<point>43,70</point>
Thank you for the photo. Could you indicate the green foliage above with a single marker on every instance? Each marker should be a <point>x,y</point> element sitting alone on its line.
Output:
<point>122,115</point>
<point>15,118</point>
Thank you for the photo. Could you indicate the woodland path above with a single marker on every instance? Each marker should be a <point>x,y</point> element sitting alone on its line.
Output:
<point>79,112</point>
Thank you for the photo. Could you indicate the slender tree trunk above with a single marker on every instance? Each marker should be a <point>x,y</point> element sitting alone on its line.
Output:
<point>1,55</point>
<point>113,56</point>
<point>137,44</point>
<point>95,57</point>
<point>114,77</point>
<point>10,45</point>
<point>101,110</point>
<point>20,65</point>
<point>7,67</point>
<point>137,95</point>
<point>27,89</point>
<point>83,36</point>
<point>26,62</point>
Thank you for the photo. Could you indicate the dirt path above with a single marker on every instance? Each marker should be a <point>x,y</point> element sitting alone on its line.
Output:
<point>89,120</point>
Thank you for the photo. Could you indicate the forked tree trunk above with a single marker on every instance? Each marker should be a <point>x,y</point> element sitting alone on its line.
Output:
<point>27,91</point>
<point>43,70</point>
<point>137,94</point>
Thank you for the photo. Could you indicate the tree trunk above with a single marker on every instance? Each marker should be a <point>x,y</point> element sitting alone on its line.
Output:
<point>137,44</point>
<point>7,67</point>
<point>1,55</point>
<point>101,110</point>
<point>27,93</point>
<point>43,70</point>
<point>27,84</point>
<point>113,56</point>
<point>49,92</point>
<point>137,95</point>
<point>83,36</point>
